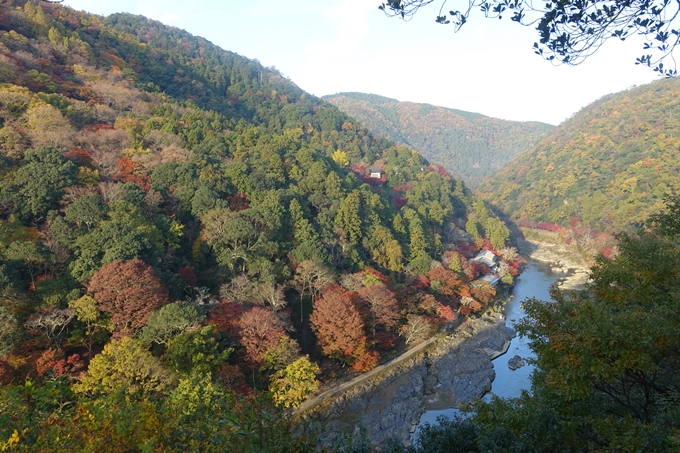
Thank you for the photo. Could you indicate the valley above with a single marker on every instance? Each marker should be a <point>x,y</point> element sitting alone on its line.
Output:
<point>469,145</point>
<point>196,254</point>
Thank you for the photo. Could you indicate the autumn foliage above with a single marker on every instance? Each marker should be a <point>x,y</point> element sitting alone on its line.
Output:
<point>188,275</point>
<point>444,281</point>
<point>130,292</point>
<point>483,291</point>
<point>337,323</point>
<point>131,171</point>
<point>52,363</point>
<point>259,330</point>
<point>96,169</point>
<point>372,276</point>
<point>6,373</point>
<point>364,360</point>
<point>80,156</point>
<point>226,317</point>
<point>238,202</point>
<point>382,305</point>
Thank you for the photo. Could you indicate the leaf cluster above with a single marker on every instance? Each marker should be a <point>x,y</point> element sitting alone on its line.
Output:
<point>571,31</point>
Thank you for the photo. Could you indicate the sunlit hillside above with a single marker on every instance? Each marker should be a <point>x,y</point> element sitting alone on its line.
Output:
<point>469,145</point>
<point>609,166</point>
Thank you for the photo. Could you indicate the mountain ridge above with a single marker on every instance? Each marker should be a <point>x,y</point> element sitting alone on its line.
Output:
<point>469,145</point>
<point>608,166</point>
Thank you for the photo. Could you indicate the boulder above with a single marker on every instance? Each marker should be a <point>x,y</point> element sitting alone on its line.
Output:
<point>516,362</point>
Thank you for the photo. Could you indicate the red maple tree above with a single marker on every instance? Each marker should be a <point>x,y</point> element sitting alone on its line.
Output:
<point>483,292</point>
<point>447,281</point>
<point>226,317</point>
<point>79,155</point>
<point>53,363</point>
<point>364,360</point>
<point>445,313</point>
<point>383,307</point>
<point>188,275</point>
<point>259,331</point>
<point>131,171</point>
<point>130,292</point>
<point>337,323</point>
<point>232,378</point>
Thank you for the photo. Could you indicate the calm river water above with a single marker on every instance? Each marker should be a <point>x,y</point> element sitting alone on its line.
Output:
<point>534,281</point>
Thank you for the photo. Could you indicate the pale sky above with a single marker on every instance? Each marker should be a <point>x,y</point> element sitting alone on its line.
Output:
<point>333,46</point>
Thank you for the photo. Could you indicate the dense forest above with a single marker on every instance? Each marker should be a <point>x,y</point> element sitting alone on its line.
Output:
<point>608,167</point>
<point>190,244</point>
<point>469,145</point>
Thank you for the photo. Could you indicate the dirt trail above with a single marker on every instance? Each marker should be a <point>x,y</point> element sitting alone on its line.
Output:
<point>316,400</point>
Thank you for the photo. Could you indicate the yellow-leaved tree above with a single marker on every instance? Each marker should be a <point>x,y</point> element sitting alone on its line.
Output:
<point>125,363</point>
<point>340,158</point>
<point>88,313</point>
<point>291,385</point>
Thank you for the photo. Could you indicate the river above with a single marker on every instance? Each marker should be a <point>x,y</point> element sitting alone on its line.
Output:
<point>534,281</point>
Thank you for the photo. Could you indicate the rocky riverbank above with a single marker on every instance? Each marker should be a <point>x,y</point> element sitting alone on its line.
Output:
<point>562,261</point>
<point>460,367</point>
<point>454,370</point>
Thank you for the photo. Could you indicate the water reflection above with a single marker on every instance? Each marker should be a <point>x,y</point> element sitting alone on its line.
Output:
<point>535,281</point>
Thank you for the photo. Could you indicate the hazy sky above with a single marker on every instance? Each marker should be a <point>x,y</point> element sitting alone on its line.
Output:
<point>332,46</point>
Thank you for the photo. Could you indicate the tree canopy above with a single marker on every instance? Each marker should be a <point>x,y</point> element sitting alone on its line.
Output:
<point>468,145</point>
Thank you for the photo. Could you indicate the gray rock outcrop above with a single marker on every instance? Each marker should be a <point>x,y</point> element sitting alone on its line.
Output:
<point>455,370</point>
<point>561,260</point>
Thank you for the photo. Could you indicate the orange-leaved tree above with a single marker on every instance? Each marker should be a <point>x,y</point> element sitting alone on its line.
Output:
<point>337,323</point>
<point>130,292</point>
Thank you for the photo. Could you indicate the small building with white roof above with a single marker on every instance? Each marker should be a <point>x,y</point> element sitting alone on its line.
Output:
<point>486,257</point>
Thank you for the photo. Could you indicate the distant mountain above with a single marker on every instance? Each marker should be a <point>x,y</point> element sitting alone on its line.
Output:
<point>469,145</point>
<point>608,166</point>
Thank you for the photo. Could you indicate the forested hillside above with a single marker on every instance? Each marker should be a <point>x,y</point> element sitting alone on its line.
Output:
<point>469,145</point>
<point>608,167</point>
<point>189,242</point>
